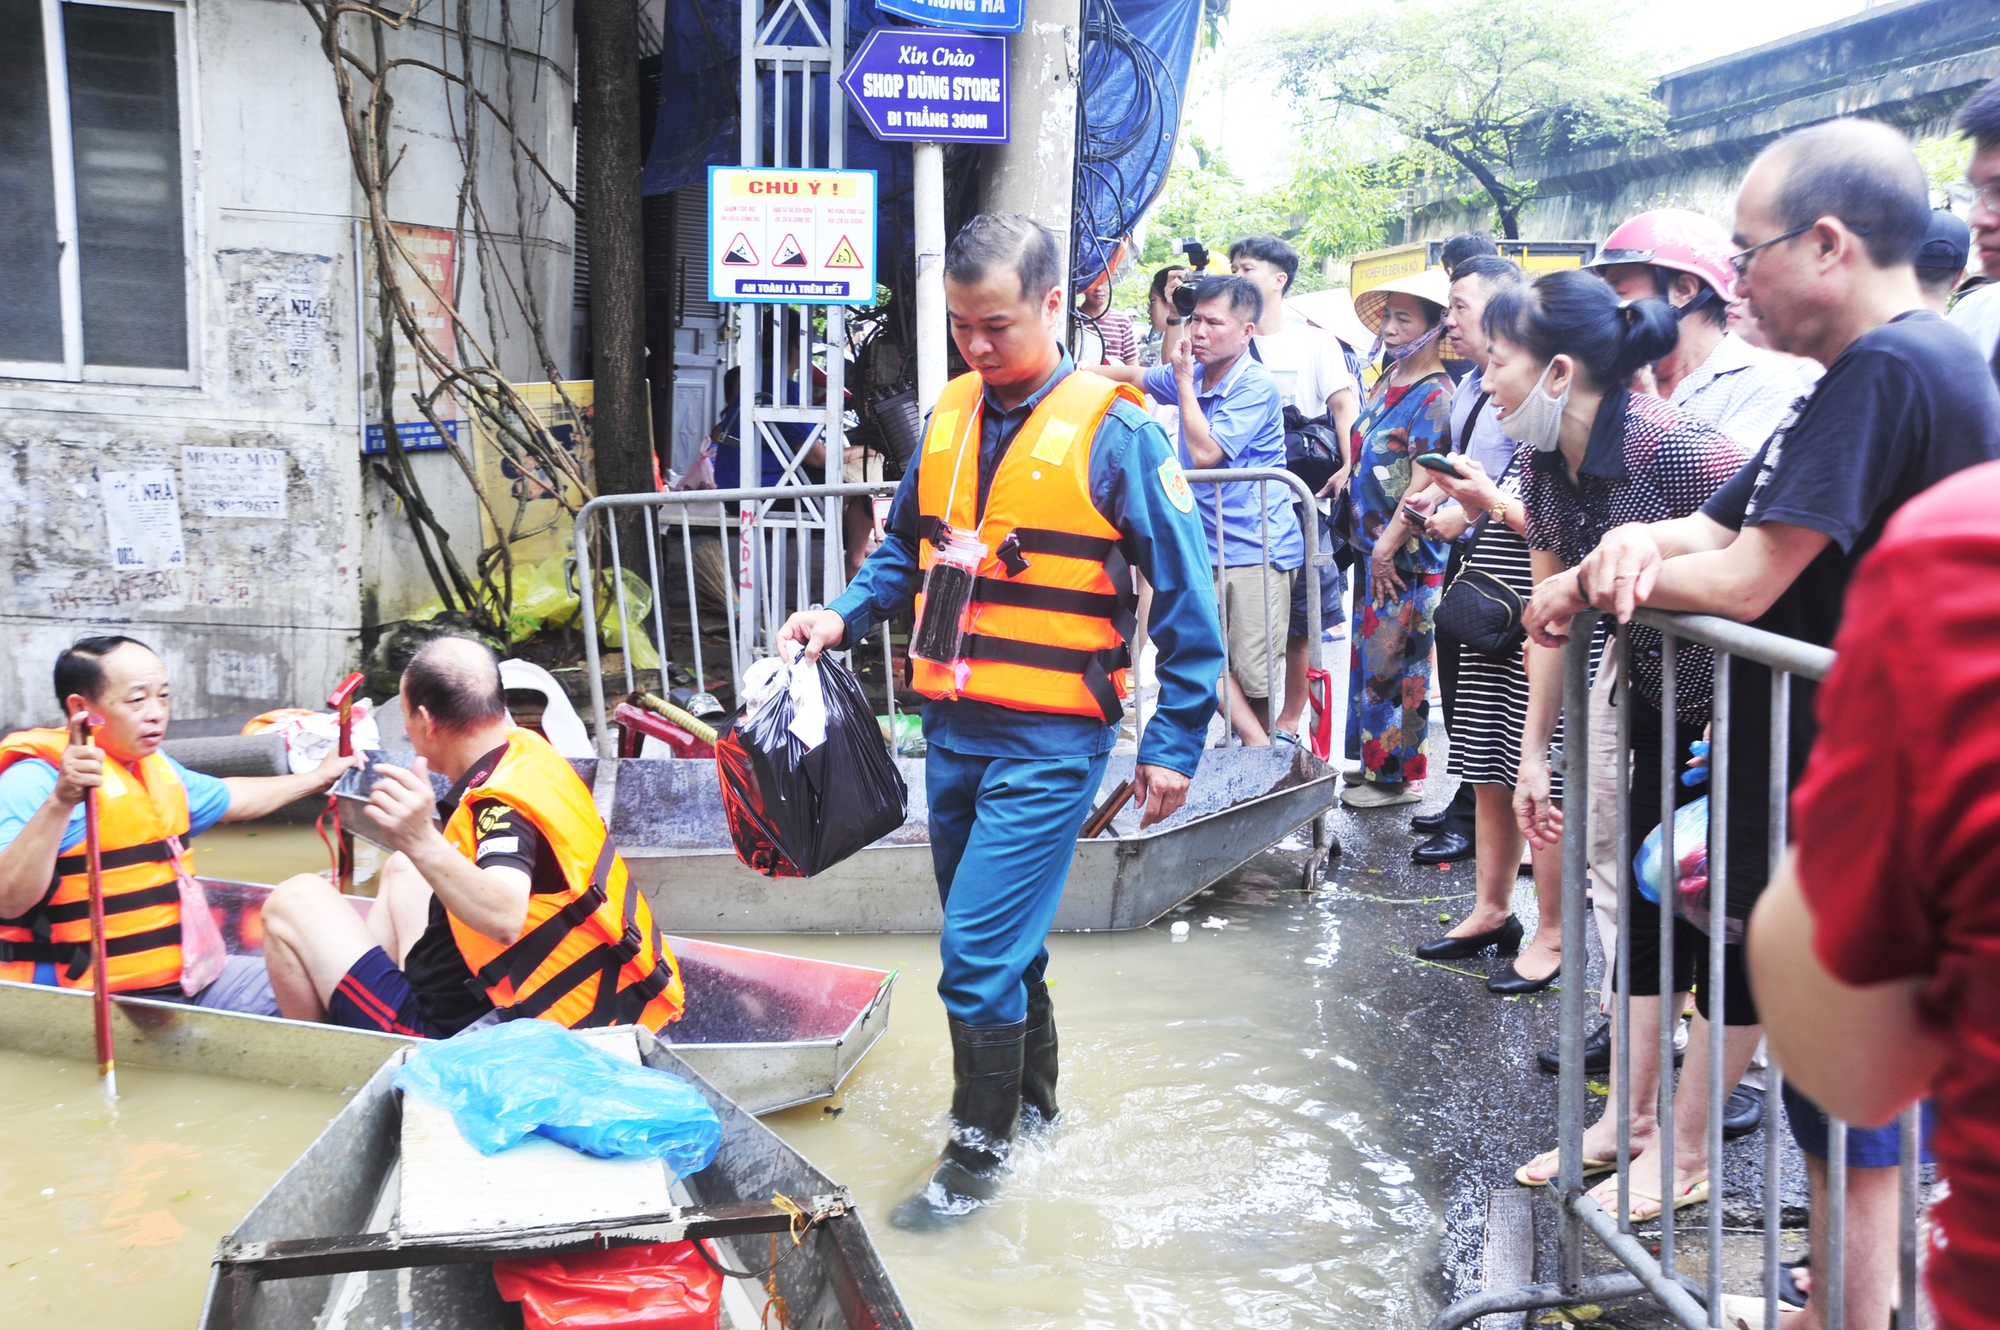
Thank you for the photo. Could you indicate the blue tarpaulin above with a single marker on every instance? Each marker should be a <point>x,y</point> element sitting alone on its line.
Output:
<point>1136,59</point>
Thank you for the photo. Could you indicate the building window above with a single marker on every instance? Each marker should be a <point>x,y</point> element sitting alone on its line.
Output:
<point>93,264</point>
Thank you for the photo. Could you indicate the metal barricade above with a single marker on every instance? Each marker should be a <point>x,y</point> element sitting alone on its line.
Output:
<point>774,573</point>
<point>1692,1304</point>
<point>1316,561</point>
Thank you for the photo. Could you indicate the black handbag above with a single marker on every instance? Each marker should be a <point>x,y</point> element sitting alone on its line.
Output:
<point>1481,613</point>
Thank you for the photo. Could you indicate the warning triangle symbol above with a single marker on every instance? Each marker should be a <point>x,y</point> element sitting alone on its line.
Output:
<point>843,255</point>
<point>789,254</point>
<point>739,251</point>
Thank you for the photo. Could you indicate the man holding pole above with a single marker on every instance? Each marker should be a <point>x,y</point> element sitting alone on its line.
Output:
<point>147,806</point>
<point>1066,482</point>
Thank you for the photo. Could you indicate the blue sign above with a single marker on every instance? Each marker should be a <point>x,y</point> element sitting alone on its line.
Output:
<point>416,436</point>
<point>968,15</point>
<point>921,85</point>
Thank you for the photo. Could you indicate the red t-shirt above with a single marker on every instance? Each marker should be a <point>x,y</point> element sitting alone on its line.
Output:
<point>1897,826</point>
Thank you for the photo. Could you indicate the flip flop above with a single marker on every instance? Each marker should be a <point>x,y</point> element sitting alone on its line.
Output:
<point>1645,1205</point>
<point>1591,1168</point>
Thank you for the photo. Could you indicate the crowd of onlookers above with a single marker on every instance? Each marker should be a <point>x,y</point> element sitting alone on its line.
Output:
<point>1787,423</point>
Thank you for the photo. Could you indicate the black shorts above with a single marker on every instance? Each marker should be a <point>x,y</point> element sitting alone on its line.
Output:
<point>374,995</point>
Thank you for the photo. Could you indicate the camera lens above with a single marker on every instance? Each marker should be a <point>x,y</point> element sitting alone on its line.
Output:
<point>1185,297</point>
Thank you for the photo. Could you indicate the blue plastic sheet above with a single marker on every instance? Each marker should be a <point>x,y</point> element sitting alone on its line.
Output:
<point>528,1077</point>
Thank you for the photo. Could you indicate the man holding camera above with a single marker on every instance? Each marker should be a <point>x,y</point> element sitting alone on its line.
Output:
<point>1312,376</point>
<point>1232,417</point>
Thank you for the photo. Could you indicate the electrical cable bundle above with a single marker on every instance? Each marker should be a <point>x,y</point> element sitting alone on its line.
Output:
<point>1122,150</point>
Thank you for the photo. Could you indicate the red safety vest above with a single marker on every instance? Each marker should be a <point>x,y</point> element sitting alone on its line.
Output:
<point>1048,628</point>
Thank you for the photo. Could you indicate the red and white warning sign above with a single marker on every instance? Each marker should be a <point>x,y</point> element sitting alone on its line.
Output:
<point>791,236</point>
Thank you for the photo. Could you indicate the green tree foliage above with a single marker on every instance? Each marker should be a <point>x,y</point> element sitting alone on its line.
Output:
<point>1486,85</point>
<point>1341,202</point>
<point>1203,198</point>
<point>1335,204</point>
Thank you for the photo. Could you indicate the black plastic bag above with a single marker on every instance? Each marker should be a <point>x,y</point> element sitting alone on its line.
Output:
<point>794,811</point>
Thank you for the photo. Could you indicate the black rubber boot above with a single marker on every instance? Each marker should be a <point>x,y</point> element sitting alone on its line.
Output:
<point>985,1105</point>
<point>1038,1062</point>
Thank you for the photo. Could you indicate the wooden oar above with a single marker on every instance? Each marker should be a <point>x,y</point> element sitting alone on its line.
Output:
<point>1101,819</point>
<point>100,997</point>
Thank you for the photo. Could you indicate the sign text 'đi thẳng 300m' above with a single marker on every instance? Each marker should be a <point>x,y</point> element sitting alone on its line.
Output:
<point>793,237</point>
<point>917,85</point>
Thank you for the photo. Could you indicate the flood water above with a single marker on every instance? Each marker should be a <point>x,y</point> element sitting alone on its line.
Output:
<point>1222,1159</point>
<point>109,1216</point>
<point>1228,1153</point>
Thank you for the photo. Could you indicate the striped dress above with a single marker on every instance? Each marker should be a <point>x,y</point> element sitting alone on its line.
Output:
<point>1492,705</point>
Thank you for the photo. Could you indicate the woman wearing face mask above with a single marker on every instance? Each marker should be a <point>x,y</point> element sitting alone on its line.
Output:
<point>1408,413</point>
<point>1562,351</point>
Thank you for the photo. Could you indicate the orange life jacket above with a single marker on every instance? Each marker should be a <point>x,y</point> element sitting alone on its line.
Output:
<point>589,955</point>
<point>139,808</point>
<point>1048,623</point>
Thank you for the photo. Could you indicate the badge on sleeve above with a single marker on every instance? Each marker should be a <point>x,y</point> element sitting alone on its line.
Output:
<point>1175,482</point>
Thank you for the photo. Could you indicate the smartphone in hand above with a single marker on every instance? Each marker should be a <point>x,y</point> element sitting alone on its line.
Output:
<point>1443,462</point>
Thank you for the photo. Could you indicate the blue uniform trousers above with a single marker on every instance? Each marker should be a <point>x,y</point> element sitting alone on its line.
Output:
<point>1003,831</point>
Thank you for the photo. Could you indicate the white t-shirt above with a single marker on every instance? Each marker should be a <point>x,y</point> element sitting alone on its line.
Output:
<point>1977,315</point>
<point>1307,363</point>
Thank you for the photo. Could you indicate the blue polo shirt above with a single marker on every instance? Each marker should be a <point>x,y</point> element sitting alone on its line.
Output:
<point>1157,538</point>
<point>1246,418</point>
<point>27,785</point>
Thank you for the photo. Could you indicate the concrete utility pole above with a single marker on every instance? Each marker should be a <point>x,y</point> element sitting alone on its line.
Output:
<point>607,99</point>
<point>1034,172</point>
<point>929,207</point>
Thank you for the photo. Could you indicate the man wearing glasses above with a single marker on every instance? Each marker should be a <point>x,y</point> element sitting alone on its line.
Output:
<point>1977,199</point>
<point>1828,221</point>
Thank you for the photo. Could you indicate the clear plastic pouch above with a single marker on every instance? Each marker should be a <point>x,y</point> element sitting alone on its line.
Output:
<point>948,583</point>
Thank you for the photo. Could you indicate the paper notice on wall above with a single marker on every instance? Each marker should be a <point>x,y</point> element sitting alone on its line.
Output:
<point>234,482</point>
<point>142,519</point>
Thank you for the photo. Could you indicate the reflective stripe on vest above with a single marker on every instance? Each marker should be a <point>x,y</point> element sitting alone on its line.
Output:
<point>138,808</point>
<point>1044,633</point>
<point>589,955</point>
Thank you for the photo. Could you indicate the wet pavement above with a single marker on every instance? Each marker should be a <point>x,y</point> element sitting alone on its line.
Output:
<point>1473,1102</point>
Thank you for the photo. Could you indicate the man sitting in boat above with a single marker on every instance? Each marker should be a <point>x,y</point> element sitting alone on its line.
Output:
<point>148,807</point>
<point>516,907</point>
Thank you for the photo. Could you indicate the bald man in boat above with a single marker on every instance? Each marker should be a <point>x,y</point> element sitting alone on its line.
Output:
<point>515,906</point>
<point>149,807</point>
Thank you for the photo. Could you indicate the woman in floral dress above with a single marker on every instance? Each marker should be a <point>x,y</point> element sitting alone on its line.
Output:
<point>1408,413</point>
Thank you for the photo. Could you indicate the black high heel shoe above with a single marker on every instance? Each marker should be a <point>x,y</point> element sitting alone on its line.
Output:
<point>1505,940</point>
<point>1510,981</point>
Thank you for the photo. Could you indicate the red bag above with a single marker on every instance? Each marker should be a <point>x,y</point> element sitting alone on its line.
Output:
<point>666,1286</point>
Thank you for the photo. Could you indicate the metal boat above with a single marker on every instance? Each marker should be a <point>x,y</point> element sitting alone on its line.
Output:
<point>330,1244</point>
<point>666,815</point>
<point>771,1030</point>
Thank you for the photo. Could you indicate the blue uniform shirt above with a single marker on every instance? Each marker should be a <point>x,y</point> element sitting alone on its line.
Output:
<point>1157,538</point>
<point>27,785</point>
<point>1246,419</point>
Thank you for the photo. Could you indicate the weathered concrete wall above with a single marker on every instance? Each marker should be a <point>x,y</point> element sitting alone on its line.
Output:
<point>260,546</point>
<point>1909,64</point>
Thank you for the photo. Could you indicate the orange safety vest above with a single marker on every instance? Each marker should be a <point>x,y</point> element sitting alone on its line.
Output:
<point>1049,622</point>
<point>138,809</point>
<point>589,955</point>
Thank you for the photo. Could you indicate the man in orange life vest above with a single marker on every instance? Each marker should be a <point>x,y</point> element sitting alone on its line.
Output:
<point>516,907</point>
<point>1066,480</point>
<point>148,805</point>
